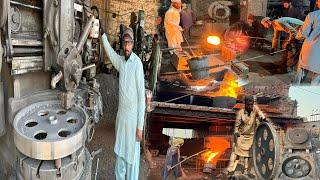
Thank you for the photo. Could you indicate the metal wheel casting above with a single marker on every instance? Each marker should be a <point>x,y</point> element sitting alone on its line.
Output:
<point>266,151</point>
<point>296,167</point>
<point>45,131</point>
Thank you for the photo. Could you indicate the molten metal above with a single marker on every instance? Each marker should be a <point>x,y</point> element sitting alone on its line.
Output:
<point>217,146</point>
<point>212,155</point>
<point>214,40</point>
<point>229,86</point>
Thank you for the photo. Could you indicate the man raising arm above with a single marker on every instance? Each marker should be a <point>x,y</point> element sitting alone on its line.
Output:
<point>130,116</point>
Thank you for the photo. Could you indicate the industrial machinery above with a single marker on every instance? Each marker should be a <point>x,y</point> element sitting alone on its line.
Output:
<point>281,152</point>
<point>49,99</point>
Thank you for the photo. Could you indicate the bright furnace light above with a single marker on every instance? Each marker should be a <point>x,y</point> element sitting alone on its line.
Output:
<point>214,40</point>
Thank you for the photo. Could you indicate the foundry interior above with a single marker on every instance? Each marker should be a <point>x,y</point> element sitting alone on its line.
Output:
<point>59,91</point>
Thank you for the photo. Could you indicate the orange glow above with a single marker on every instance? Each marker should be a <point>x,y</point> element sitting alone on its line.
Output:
<point>229,86</point>
<point>217,146</point>
<point>214,40</point>
<point>238,40</point>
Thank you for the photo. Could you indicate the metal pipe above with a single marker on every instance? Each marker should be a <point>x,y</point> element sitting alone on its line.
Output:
<point>88,67</point>
<point>172,167</point>
<point>2,117</point>
<point>85,33</point>
<point>25,5</point>
<point>33,51</point>
<point>97,167</point>
<point>231,63</point>
<point>185,47</point>
<point>180,97</point>
<point>56,79</point>
<point>188,44</point>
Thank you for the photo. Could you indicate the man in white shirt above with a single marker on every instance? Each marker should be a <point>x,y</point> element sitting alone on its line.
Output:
<point>131,110</point>
<point>171,25</point>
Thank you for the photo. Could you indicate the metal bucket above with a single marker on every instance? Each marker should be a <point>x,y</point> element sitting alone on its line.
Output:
<point>198,67</point>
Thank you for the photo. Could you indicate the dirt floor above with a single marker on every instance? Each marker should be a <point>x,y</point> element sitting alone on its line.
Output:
<point>104,136</point>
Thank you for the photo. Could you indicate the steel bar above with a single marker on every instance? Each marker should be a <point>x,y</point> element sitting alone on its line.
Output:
<point>26,42</point>
<point>21,50</point>
<point>193,54</point>
<point>230,63</point>
<point>184,47</point>
<point>25,5</point>
<point>85,33</point>
<point>171,100</point>
<point>97,167</point>
<point>2,118</point>
<point>252,37</point>
<point>172,167</point>
<point>88,67</point>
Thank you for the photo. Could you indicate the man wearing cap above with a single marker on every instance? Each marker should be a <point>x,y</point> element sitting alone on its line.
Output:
<point>171,25</point>
<point>257,30</point>
<point>291,11</point>
<point>245,125</point>
<point>309,61</point>
<point>172,158</point>
<point>187,19</point>
<point>285,24</point>
<point>130,116</point>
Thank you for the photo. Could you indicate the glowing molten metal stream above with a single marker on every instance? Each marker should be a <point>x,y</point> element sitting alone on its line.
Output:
<point>212,155</point>
<point>214,40</point>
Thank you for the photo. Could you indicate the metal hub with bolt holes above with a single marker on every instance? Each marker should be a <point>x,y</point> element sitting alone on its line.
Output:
<point>46,131</point>
<point>296,167</point>
<point>266,151</point>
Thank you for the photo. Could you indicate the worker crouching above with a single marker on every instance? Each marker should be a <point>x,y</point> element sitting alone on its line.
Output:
<point>290,26</point>
<point>172,159</point>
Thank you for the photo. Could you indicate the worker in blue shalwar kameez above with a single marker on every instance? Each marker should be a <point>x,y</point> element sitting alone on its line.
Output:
<point>289,26</point>
<point>309,61</point>
<point>131,110</point>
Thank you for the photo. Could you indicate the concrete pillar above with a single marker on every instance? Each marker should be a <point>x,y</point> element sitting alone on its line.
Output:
<point>255,7</point>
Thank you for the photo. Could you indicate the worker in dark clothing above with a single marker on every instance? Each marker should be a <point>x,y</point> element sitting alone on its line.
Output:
<point>312,5</point>
<point>172,158</point>
<point>291,11</point>
<point>301,5</point>
<point>187,19</point>
<point>257,32</point>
